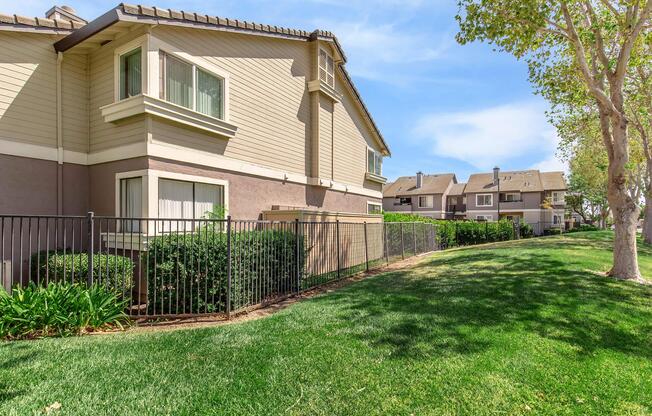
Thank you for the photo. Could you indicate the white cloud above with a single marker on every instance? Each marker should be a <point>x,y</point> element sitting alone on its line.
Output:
<point>382,52</point>
<point>491,136</point>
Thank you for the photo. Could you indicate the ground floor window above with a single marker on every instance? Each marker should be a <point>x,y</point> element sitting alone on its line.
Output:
<point>426,201</point>
<point>131,200</point>
<point>557,219</point>
<point>484,217</point>
<point>189,200</point>
<point>374,208</point>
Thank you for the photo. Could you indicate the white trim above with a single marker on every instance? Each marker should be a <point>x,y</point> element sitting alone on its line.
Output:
<point>150,188</point>
<point>176,154</point>
<point>483,205</point>
<point>324,88</point>
<point>141,42</point>
<point>145,104</point>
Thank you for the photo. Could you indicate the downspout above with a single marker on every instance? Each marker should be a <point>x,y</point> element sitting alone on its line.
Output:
<point>59,137</point>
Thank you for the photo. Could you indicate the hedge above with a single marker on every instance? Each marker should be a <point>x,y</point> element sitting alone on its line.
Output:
<point>112,271</point>
<point>460,233</point>
<point>188,273</point>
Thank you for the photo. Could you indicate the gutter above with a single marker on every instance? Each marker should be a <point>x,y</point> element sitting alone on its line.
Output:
<point>59,137</point>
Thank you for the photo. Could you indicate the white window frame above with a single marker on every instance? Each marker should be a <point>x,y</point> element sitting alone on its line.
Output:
<point>517,196</point>
<point>430,201</point>
<point>561,194</point>
<point>195,67</point>
<point>555,221</point>
<point>374,204</point>
<point>329,58</point>
<point>484,217</point>
<point>377,156</point>
<point>150,83</point>
<point>128,47</point>
<point>491,199</point>
<point>150,177</point>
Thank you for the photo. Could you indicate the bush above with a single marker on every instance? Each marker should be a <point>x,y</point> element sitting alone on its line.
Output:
<point>59,309</point>
<point>526,230</point>
<point>112,271</point>
<point>460,233</point>
<point>583,227</point>
<point>187,273</point>
<point>552,231</point>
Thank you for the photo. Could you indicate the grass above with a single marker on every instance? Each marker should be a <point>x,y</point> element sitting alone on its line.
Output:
<point>513,328</point>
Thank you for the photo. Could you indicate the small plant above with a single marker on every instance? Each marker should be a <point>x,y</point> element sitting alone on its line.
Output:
<point>59,309</point>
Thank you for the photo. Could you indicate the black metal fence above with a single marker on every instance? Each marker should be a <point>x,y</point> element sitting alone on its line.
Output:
<point>184,267</point>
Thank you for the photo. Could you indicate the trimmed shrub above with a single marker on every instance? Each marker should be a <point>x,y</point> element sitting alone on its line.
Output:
<point>460,233</point>
<point>59,309</point>
<point>583,227</point>
<point>112,271</point>
<point>526,230</point>
<point>552,231</point>
<point>187,273</point>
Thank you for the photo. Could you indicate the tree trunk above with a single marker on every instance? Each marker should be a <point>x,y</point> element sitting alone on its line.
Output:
<point>624,209</point>
<point>647,220</point>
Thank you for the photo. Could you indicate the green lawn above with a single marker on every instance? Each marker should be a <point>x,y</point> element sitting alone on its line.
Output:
<point>514,328</point>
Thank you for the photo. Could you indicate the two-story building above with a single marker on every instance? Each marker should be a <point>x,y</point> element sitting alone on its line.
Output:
<point>420,194</point>
<point>534,197</point>
<point>162,113</point>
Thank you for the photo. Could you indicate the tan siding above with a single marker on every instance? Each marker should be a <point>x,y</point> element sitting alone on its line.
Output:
<point>108,135</point>
<point>268,97</point>
<point>28,88</point>
<point>169,133</point>
<point>351,138</point>
<point>75,90</point>
<point>326,138</point>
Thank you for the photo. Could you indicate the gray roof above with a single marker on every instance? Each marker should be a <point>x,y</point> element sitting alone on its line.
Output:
<point>406,185</point>
<point>517,181</point>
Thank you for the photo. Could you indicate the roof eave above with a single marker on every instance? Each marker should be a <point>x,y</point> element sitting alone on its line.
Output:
<point>94,27</point>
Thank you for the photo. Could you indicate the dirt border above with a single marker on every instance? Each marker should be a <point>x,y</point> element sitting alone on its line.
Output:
<point>267,310</point>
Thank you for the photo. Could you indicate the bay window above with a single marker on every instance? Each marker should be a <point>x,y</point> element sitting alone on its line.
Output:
<point>187,201</point>
<point>131,199</point>
<point>130,74</point>
<point>374,162</point>
<point>189,86</point>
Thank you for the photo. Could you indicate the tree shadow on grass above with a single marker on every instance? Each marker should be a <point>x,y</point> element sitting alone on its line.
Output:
<point>446,306</point>
<point>12,355</point>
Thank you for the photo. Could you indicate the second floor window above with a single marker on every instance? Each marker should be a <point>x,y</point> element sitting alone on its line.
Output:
<point>484,200</point>
<point>131,76</point>
<point>510,197</point>
<point>185,84</point>
<point>558,197</point>
<point>326,68</point>
<point>374,162</point>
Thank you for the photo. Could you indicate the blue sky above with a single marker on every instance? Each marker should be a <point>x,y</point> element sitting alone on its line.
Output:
<point>441,106</point>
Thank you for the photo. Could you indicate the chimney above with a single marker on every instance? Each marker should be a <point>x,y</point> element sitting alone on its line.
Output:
<point>419,179</point>
<point>496,175</point>
<point>64,13</point>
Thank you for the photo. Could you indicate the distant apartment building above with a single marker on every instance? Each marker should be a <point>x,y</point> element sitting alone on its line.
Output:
<point>531,196</point>
<point>420,194</point>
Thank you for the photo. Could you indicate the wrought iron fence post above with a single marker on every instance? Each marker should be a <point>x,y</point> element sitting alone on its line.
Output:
<point>228,267</point>
<point>366,246</point>
<point>402,244</point>
<point>297,255</point>
<point>89,247</point>
<point>337,248</point>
